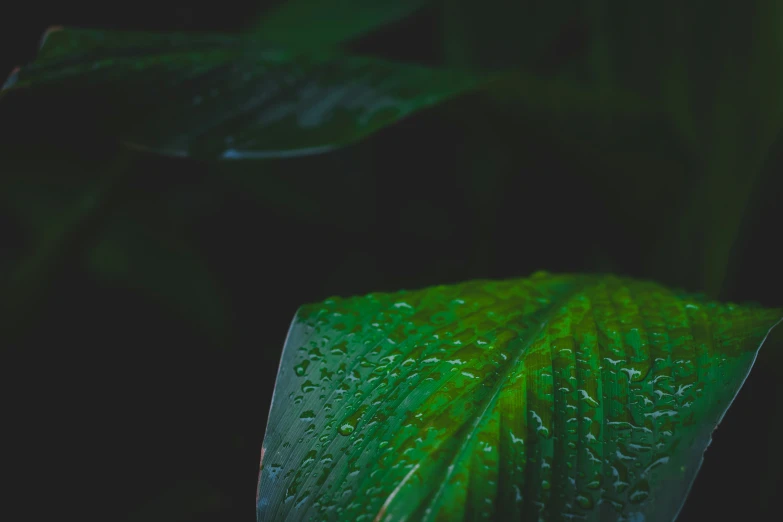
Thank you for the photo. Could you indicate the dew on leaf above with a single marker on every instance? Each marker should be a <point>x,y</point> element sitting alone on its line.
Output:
<point>639,492</point>
<point>301,368</point>
<point>346,429</point>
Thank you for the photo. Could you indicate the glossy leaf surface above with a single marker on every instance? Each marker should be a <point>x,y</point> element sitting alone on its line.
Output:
<point>556,397</point>
<point>227,96</point>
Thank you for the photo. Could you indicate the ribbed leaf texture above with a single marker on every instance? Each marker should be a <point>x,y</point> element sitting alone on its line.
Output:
<point>556,397</point>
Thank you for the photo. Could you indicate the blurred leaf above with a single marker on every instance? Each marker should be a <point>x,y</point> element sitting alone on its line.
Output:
<point>315,23</point>
<point>225,96</point>
<point>62,237</point>
<point>550,96</point>
<point>38,199</point>
<point>741,121</point>
<point>554,397</point>
<point>714,71</point>
<point>138,246</point>
<point>142,257</point>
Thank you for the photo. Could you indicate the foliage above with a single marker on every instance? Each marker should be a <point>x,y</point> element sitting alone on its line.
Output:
<point>551,397</point>
<point>414,143</point>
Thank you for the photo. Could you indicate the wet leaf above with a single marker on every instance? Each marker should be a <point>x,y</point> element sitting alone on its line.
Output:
<point>311,23</point>
<point>225,96</point>
<point>553,397</point>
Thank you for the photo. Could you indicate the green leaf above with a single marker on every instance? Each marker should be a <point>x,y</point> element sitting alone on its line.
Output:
<point>557,396</point>
<point>313,23</point>
<point>226,96</point>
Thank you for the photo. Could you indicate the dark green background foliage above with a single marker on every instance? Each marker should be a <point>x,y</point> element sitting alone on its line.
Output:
<point>148,297</point>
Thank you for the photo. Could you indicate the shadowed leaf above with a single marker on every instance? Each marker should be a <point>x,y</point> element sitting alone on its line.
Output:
<point>142,252</point>
<point>557,397</point>
<point>164,269</point>
<point>226,96</point>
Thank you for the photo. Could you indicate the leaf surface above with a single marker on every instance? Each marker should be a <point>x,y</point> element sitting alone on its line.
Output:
<point>556,397</point>
<point>227,96</point>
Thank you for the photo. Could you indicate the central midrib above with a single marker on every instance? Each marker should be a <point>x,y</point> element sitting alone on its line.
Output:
<point>468,428</point>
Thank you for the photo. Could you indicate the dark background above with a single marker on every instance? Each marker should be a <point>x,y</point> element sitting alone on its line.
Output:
<point>140,388</point>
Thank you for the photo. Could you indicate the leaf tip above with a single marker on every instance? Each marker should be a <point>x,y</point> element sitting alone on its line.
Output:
<point>51,29</point>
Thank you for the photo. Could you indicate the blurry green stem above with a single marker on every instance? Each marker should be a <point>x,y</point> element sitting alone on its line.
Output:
<point>709,231</point>
<point>726,198</point>
<point>725,210</point>
<point>62,242</point>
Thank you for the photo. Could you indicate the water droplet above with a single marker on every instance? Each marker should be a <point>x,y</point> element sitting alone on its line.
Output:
<point>307,416</point>
<point>639,492</point>
<point>346,429</point>
<point>584,501</point>
<point>274,469</point>
<point>302,499</point>
<point>308,386</point>
<point>309,458</point>
<point>301,368</point>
